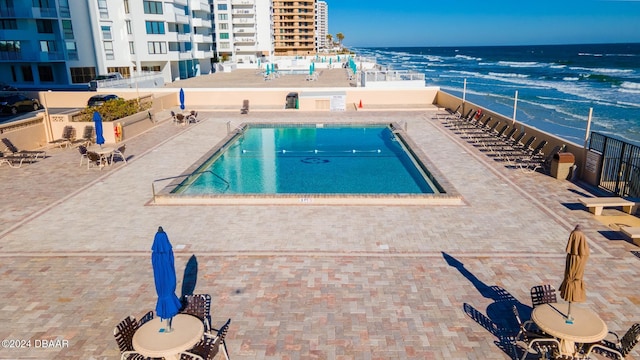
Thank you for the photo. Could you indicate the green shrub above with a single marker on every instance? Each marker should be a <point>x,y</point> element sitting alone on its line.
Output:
<point>113,110</point>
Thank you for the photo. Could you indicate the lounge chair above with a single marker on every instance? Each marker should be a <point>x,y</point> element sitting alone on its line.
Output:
<point>28,153</point>
<point>533,158</point>
<point>245,107</point>
<point>13,161</point>
<point>89,135</point>
<point>68,135</point>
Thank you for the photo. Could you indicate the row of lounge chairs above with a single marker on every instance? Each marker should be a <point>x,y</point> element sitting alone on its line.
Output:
<point>501,140</point>
<point>70,139</point>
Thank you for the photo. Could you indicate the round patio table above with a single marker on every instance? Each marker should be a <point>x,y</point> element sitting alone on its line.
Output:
<point>587,326</point>
<point>152,340</point>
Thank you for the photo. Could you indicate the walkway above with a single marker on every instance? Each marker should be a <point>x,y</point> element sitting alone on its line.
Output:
<point>299,282</point>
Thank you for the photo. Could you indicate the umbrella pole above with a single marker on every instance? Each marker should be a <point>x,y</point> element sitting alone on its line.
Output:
<point>569,319</point>
<point>168,329</point>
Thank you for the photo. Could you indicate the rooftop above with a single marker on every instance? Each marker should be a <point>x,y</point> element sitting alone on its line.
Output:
<point>298,281</point>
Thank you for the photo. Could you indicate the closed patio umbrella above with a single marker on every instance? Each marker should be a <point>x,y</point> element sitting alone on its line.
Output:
<point>97,123</point>
<point>164,275</point>
<point>181,99</point>
<point>572,288</point>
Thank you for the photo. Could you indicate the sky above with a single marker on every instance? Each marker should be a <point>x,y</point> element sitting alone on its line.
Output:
<point>377,23</point>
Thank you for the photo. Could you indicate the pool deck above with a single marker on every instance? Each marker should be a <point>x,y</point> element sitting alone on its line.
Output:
<point>298,281</point>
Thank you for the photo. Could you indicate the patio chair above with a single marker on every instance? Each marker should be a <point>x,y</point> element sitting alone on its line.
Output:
<point>145,318</point>
<point>209,346</point>
<point>180,119</point>
<point>83,154</point>
<point>193,117</point>
<point>245,107</point>
<point>618,349</point>
<point>94,159</point>
<point>28,153</point>
<point>531,341</point>
<point>119,153</point>
<point>123,332</point>
<point>543,294</point>
<point>199,305</point>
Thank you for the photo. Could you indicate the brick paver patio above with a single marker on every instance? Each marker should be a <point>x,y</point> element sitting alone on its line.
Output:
<point>298,282</point>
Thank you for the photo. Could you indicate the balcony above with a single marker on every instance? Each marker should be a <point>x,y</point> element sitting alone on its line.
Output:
<point>181,2</point>
<point>198,22</point>
<point>39,12</point>
<point>243,2</point>
<point>203,54</point>
<point>177,37</point>
<point>245,39</point>
<point>51,56</point>
<point>243,12</point>
<point>243,21</point>
<point>201,38</point>
<point>245,48</point>
<point>200,6</point>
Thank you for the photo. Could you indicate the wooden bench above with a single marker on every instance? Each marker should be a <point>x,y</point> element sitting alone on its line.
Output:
<point>633,232</point>
<point>596,204</point>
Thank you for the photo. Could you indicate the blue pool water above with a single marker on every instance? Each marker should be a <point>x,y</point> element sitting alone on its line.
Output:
<point>311,159</point>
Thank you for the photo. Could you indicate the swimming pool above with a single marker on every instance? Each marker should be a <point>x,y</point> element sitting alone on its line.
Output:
<point>309,163</point>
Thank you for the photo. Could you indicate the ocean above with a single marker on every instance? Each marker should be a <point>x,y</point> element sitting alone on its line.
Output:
<point>556,84</point>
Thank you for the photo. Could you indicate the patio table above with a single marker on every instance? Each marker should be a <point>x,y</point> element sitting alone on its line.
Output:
<point>587,326</point>
<point>151,340</point>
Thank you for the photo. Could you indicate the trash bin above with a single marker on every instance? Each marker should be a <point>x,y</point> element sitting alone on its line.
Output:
<point>292,101</point>
<point>561,165</point>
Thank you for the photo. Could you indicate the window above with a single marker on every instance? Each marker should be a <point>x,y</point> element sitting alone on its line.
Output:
<point>106,32</point>
<point>108,50</point>
<point>151,68</point>
<point>8,24</point>
<point>82,74</point>
<point>222,6</point>
<point>46,73</point>
<point>224,45</point>
<point>47,46</point>
<point>224,36</point>
<point>63,5</point>
<point>154,27</point>
<point>72,51</point>
<point>223,26</point>
<point>128,25</point>
<point>102,7</point>
<point>67,29</point>
<point>126,6</point>
<point>223,16</point>
<point>40,3</point>
<point>152,7</point>
<point>157,47</point>
<point>27,73</point>
<point>44,26</point>
<point>132,48</point>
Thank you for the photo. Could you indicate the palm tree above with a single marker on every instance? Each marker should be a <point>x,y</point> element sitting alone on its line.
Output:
<point>330,40</point>
<point>340,37</point>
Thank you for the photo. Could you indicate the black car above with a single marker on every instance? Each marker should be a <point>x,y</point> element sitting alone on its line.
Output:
<point>98,100</point>
<point>7,87</point>
<point>17,102</point>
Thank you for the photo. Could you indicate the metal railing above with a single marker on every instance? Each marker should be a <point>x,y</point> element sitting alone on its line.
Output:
<point>620,172</point>
<point>153,184</point>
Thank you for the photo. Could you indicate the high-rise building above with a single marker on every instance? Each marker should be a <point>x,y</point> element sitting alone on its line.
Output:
<point>322,25</point>
<point>65,43</point>
<point>242,30</point>
<point>294,27</point>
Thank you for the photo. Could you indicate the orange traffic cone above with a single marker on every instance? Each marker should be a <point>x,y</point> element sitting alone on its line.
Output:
<point>360,105</point>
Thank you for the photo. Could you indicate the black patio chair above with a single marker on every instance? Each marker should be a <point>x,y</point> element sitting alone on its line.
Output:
<point>618,349</point>
<point>543,294</point>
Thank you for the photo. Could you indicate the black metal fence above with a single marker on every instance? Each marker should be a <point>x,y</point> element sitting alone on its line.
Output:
<point>620,172</point>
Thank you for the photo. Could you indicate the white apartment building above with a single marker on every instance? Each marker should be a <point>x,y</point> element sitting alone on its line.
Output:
<point>322,25</point>
<point>66,43</point>
<point>243,31</point>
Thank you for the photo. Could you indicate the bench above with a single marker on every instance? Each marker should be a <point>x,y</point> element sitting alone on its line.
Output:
<point>596,204</point>
<point>633,232</point>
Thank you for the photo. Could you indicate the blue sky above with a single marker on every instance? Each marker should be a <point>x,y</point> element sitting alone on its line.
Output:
<point>369,23</point>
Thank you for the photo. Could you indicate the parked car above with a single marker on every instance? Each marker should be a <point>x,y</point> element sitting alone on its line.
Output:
<point>97,100</point>
<point>7,87</point>
<point>18,102</point>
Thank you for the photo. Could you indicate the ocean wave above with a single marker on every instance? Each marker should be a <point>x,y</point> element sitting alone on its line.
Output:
<point>520,63</point>
<point>630,85</point>
<point>465,57</point>
<point>589,54</point>
<point>509,75</point>
<point>602,70</point>
<point>570,78</point>
<point>558,66</point>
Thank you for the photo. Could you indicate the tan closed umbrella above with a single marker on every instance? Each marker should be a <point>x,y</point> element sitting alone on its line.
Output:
<point>572,287</point>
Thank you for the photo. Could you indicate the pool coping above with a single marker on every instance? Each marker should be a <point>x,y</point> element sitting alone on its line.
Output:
<point>448,194</point>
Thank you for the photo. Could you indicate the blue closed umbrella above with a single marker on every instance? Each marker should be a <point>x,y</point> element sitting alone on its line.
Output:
<point>164,275</point>
<point>97,123</point>
<point>181,99</point>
